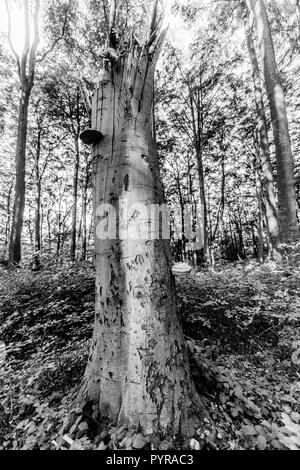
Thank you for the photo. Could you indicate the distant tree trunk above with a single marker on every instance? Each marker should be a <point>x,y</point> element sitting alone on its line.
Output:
<point>75,199</point>
<point>30,228</point>
<point>26,70</point>
<point>181,202</point>
<point>19,203</point>
<point>49,231</point>
<point>26,65</point>
<point>58,244</point>
<point>197,131</point>
<point>138,370</point>
<point>268,182</point>
<point>204,205</point>
<point>37,218</point>
<point>260,218</point>
<point>85,202</point>
<point>7,223</point>
<point>83,227</point>
<point>220,213</point>
<point>287,205</point>
<point>233,239</point>
<point>298,18</point>
<point>83,219</point>
<point>239,229</point>
<point>260,227</point>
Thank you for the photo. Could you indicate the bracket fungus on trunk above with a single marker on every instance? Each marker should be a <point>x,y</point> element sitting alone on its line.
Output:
<point>91,136</point>
<point>181,269</point>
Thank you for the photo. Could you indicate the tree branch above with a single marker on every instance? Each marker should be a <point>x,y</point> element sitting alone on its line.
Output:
<point>86,98</point>
<point>59,38</point>
<point>35,42</point>
<point>17,57</point>
<point>26,43</point>
<point>111,37</point>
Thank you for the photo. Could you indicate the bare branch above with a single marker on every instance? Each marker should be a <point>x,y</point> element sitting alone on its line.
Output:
<point>153,24</point>
<point>56,41</point>
<point>17,57</point>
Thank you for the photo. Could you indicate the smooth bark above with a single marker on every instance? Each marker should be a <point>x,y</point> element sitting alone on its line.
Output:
<point>265,157</point>
<point>138,370</point>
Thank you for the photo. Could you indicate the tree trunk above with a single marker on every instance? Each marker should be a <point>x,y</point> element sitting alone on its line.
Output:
<point>181,202</point>
<point>58,244</point>
<point>194,205</point>
<point>75,199</point>
<point>298,18</point>
<point>37,225</point>
<point>7,223</point>
<point>138,370</point>
<point>19,201</point>
<point>49,231</point>
<point>83,217</point>
<point>204,205</point>
<point>287,204</point>
<point>220,213</point>
<point>258,188</point>
<point>197,131</point>
<point>268,183</point>
<point>83,229</point>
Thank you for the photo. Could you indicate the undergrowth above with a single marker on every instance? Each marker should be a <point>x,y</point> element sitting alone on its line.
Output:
<point>242,328</point>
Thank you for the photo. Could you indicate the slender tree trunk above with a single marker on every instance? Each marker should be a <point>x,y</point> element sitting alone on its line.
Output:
<point>194,213</point>
<point>26,70</point>
<point>181,202</point>
<point>239,229</point>
<point>41,225</point>
<point>75,199</point>
<point>138,370</point>
<point>268,182</point>
<point>203,203</point>
<point>298,18</point>
<point>220,213</point>
<point>233,239</point>
<point>37,225</point>
<point>58,245</point>
<point>197,131</point>
<point>287,205</point>
<point>7,224</point>
<point>84,216</point>
<point>37,218</point>
<point>19,202</point>
<point>83,228</point>
<point>258,188</point>
<point>49,231</point>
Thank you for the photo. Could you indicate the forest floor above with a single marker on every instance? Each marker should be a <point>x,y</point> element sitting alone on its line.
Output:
<point>242,326</point>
